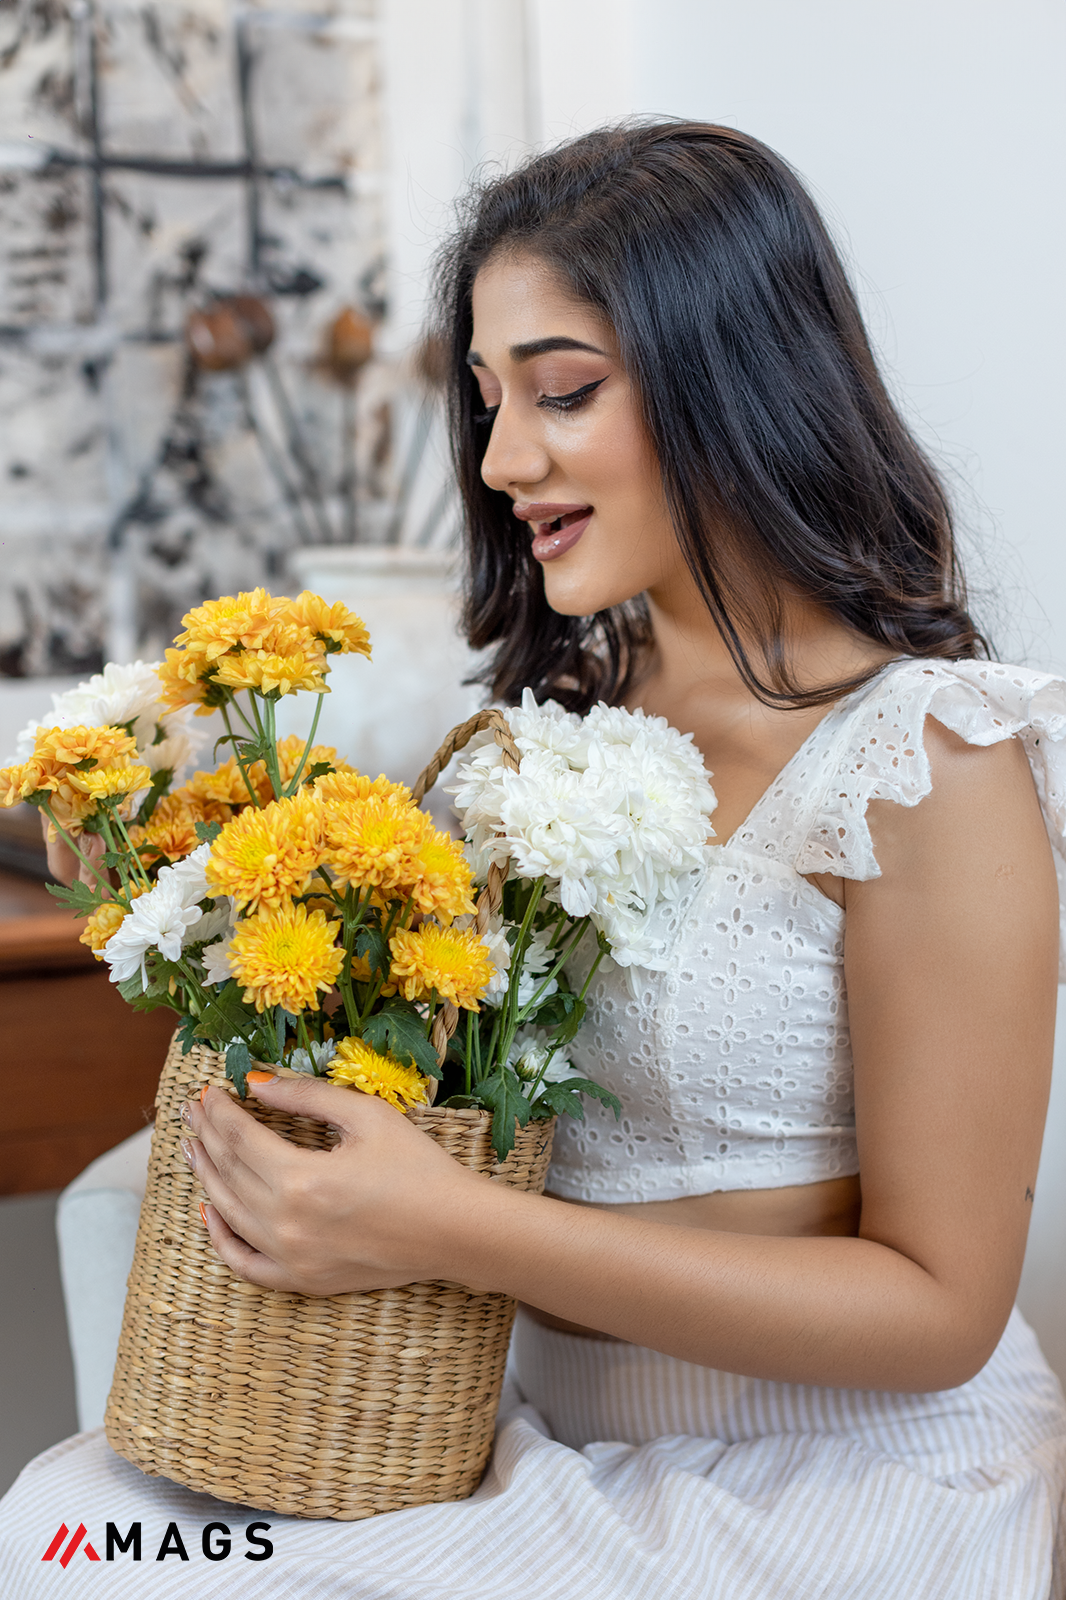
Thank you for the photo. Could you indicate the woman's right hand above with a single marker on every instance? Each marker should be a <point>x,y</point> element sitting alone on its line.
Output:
<point>63,864</point>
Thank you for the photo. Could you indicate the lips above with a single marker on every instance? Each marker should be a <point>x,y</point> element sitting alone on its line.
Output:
<point>556,528</point>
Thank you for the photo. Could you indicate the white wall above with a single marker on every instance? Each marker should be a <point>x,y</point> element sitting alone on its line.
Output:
<point>933,133</point>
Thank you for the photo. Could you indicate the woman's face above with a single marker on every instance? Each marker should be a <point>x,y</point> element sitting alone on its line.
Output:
<point>567,442</point>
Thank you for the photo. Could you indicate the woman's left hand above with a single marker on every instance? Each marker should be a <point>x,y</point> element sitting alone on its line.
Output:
<point>367,1214</point>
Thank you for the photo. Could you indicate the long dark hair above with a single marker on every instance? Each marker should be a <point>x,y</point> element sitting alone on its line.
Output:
<point>782,456</point>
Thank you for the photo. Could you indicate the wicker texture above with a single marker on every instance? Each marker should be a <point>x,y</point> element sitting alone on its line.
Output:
<point>334,1406</point>
<point>338,1406</point>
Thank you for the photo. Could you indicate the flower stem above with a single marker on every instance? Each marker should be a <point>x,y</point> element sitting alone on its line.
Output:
<point>248,784</point>
<point>271,746</point>
<point>134,856</point>
<point>295,784</point>
<point>82,857</point>
<point>568,951</point>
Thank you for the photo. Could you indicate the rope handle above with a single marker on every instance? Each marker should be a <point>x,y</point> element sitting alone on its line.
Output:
<point>491,897</point>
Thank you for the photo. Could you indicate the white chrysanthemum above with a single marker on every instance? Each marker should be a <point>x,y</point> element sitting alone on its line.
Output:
<point>191,874</point>
<point>612,810</point>
<point>216,959</point>
<point>527,1056</point>
<point>159,920</point>
<point>118,696</point>
<point>314,1062</point>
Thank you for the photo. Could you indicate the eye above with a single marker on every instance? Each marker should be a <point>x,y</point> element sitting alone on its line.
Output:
<point>486,418</point>
<point>572,401</point>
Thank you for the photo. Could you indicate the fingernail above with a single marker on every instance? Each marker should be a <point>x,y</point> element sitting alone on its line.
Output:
<point>260,1077</point>
<point>203,1214</point>
<point>187,1152</point>
<point>203,1091</point>
<point>186,1113</point>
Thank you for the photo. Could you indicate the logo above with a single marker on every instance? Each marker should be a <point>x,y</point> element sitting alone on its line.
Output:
<point>216,1542</point>
<point>79,1534</point>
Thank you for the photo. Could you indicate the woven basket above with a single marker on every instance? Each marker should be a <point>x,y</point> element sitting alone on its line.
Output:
<point>334,1406</point>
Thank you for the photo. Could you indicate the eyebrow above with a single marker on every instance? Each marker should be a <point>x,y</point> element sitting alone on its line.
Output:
<point>540,347</point>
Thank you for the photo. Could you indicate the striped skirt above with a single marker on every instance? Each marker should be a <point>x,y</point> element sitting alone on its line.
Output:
<point>620,1474</point>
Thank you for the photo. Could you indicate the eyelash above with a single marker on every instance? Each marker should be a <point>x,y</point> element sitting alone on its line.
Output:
<point>550,402</point>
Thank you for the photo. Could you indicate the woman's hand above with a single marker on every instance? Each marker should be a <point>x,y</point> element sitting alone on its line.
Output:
<point>63,864</point>
<point>364,1215</point>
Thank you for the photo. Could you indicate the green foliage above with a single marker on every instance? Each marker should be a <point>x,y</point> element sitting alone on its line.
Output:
<point>187,1034</point>
<point>399,1030</point>
<point>158,787</point>
<point>208,832</point>
<point>502,1095</point>
<point>564,1099</point>
<point>80,897</point>
<point>238,1063</point>
<point>317,769</point>
<point>370,942</point>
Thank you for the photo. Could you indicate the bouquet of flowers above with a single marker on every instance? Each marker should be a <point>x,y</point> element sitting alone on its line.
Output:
<point>297,912</point>
<point>600,824</point>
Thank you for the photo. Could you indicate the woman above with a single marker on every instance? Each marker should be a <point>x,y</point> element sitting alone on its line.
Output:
<point>770,1350</point>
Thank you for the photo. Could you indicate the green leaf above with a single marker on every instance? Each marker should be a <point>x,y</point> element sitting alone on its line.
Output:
<point>317,769</point>
<point>461,1102</point>
<point>80,897</point>
<point>399,1031</point>
<point>502,1095</point>
<point>208,832</point>
<point>370,943</point>
<point>238,1063</point>
<point>113,858</point>
<point>564,1099</point>
<point>156,789</point>
<point>187,1033</point>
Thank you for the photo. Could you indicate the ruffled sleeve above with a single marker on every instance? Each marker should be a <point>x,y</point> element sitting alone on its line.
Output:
<point>884,758</point>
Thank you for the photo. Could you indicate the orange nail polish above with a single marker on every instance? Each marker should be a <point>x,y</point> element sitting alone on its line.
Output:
<point>203,1214</point>
<point>260,1077</point>
<point>203,1091</point>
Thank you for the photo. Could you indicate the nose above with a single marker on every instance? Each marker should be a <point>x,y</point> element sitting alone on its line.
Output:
<point>515,460</point>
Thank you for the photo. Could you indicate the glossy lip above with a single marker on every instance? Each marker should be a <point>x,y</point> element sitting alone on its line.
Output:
<point>546,545</point>
<point>545,510</point>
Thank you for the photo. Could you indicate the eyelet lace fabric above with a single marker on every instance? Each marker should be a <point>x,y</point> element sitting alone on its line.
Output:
<point>734,1066</point>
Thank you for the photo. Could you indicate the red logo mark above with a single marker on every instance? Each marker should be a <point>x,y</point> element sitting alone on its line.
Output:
<point>79,1534</point>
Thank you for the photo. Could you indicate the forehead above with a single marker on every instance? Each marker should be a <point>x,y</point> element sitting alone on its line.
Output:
<point>518,299</point>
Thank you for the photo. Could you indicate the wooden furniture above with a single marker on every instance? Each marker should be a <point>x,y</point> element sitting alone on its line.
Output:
<point>79,1066</point>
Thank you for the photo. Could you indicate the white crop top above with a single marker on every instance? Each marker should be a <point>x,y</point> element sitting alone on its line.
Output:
<point>734,1065</point>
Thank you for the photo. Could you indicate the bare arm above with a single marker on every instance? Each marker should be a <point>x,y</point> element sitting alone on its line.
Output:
<point>951,969</point>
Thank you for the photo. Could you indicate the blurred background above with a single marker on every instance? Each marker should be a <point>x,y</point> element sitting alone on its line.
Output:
<point>217,223</point>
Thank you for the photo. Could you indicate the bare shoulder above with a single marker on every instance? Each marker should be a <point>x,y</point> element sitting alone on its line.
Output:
<point>981,817</point>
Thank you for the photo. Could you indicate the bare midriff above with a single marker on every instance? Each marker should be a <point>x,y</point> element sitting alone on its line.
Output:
<point>801,1211</point>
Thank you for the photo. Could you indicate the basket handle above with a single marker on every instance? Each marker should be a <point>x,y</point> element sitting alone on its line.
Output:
<point>491,897</point>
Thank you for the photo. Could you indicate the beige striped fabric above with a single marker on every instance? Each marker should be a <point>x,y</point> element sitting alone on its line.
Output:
<point>620,1474</point>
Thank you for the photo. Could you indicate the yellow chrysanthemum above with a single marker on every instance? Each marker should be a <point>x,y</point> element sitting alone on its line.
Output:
<point>441,877</point>
<point>170,831</point>
<point>19,782</point>
<point>223,790</point>
<point>103,783</point>
<point>335,625</point>
<point>268,673</point>
<point>347,784</point>
<point>249,619</point>
<point>285,957</point>
<point>363,1068</point>
<point>185,680</point>
<point>105,921</point>
<point>450,962</point>
<point>69,805</point>
<point>372,841</point>
<point>290,754</point>
<point>70,746</point>
<point>263,857</point>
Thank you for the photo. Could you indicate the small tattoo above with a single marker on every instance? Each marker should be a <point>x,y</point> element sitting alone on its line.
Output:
<point>1029,1194</point>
